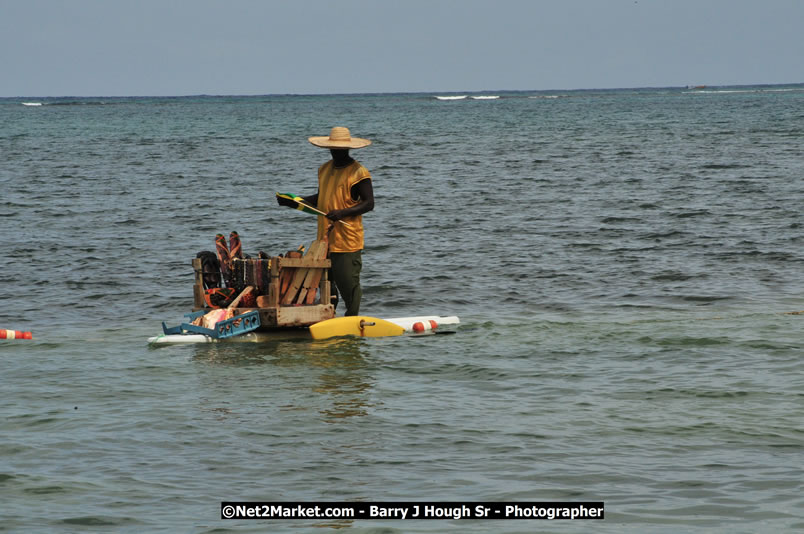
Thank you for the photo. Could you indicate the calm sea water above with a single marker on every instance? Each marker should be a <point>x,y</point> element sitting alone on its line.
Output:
<point>624,263</point>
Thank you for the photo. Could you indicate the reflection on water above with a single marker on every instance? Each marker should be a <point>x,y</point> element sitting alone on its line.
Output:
<point>344,376</point>
<point>336,370</point>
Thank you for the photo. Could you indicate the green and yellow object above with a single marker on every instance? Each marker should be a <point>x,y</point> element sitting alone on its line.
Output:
<point>302,206</point>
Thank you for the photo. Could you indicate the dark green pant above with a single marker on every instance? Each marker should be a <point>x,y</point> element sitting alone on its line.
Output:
<point>345,275</point>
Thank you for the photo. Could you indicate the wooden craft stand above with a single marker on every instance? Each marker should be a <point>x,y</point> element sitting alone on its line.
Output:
<point>295,307</point>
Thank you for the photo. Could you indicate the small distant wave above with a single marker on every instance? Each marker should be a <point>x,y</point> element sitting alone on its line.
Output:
<point>457,97</point>
<point>719,91</point>
<point>81,103</point>
<point>733,91</point>
<point>614,220</point>
<point>721,166</point>
<point>75,102</point>
<point>690,214</point>
<point>675,276</point>
<point>486,97</point>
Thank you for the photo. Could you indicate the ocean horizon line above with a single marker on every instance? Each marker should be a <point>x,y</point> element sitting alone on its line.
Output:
<point>432,93</point>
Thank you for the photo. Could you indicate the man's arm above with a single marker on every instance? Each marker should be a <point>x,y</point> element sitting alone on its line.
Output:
<point>361,191</point>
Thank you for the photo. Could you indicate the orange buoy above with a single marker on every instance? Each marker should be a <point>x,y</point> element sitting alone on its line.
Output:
<point>421,327</point>
<point>14,334</point>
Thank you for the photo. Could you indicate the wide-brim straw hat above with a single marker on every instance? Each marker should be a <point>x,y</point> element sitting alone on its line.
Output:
<point>339,137</point>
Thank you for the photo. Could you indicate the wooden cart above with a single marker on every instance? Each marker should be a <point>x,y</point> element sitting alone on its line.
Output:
<point>290,292</point>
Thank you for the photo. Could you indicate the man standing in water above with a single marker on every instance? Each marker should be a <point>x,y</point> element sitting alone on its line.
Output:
<point>344,194</point>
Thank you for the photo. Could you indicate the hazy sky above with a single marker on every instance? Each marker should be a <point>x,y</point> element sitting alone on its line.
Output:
<point>183,47</point>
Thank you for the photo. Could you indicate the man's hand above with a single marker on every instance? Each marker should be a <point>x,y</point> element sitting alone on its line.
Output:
<point>336,215</point>
<point>282,201</point>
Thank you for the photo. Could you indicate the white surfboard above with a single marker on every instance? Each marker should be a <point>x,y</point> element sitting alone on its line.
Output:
<point>427,324</point>
<point>176,339</point>
<point>250,337</point>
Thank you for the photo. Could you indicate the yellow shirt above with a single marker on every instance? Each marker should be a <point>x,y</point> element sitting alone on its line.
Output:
<point>335,193</point>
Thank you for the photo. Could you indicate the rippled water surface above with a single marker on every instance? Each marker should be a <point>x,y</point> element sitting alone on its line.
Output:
<point>626,265</point>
